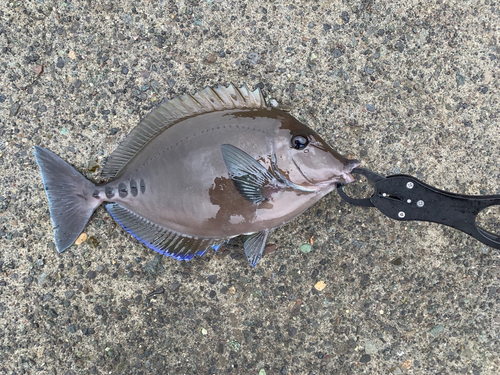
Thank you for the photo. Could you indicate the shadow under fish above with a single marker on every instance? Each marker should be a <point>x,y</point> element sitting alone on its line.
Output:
<point>198,170</point>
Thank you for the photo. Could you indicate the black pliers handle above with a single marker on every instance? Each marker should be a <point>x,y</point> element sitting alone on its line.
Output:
<point>402,197</point>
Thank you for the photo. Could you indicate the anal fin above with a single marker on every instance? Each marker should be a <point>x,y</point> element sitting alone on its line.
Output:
<point>254,246</point>
<point>160,239</point>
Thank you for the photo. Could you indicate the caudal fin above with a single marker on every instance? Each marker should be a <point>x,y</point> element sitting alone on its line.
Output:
<point>70,197</point>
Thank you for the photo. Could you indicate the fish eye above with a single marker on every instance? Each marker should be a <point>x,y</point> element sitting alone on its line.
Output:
<point>299,142</point>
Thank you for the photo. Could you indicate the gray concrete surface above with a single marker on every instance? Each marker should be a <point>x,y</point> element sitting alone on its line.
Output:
<point>406,86</point>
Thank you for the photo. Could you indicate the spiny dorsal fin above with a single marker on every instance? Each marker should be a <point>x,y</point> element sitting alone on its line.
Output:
<point>172,111</point>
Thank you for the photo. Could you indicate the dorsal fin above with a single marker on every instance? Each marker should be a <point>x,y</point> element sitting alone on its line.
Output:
<point>172,111</point>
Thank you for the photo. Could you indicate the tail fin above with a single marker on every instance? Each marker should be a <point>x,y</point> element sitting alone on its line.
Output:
<point>70,197</point>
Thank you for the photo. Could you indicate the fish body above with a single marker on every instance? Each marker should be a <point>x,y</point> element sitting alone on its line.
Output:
<point>198,171</point>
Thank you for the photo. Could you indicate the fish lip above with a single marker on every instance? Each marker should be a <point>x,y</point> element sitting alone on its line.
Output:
<point>348,177</point>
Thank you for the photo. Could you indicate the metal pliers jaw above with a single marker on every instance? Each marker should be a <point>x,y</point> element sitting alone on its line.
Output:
<point>402,197</point>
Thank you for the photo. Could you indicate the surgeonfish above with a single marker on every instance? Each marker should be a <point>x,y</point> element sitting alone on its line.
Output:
<point>197,171</point>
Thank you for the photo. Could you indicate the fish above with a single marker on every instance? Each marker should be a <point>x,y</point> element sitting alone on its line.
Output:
<point>197,171</point>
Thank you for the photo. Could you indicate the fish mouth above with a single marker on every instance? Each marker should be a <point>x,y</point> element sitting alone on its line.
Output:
<point>345,177</point>
<point>349,166</point>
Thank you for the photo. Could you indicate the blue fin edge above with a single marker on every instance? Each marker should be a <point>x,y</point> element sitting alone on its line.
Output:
<point>215,247</point>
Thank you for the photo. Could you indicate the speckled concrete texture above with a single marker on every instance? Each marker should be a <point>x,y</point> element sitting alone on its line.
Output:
<point>405,86</point>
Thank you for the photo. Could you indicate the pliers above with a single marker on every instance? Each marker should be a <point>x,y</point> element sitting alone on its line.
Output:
<point>402,197</point>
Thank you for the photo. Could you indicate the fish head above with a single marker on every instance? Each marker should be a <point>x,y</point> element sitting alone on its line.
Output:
<point>304,159</point>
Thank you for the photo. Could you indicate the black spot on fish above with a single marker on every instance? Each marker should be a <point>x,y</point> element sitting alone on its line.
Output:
<point>133,187</point>
<point>143,186</point>
<point>110,192</point>
<point>96,194</point>
<point>122,190</point>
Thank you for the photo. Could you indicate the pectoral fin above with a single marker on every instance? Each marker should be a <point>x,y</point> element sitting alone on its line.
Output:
<point>254,246</point>
<point>247,174</point>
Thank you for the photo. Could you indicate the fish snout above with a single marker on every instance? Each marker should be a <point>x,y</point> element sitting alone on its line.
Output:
<point>348,167</point>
